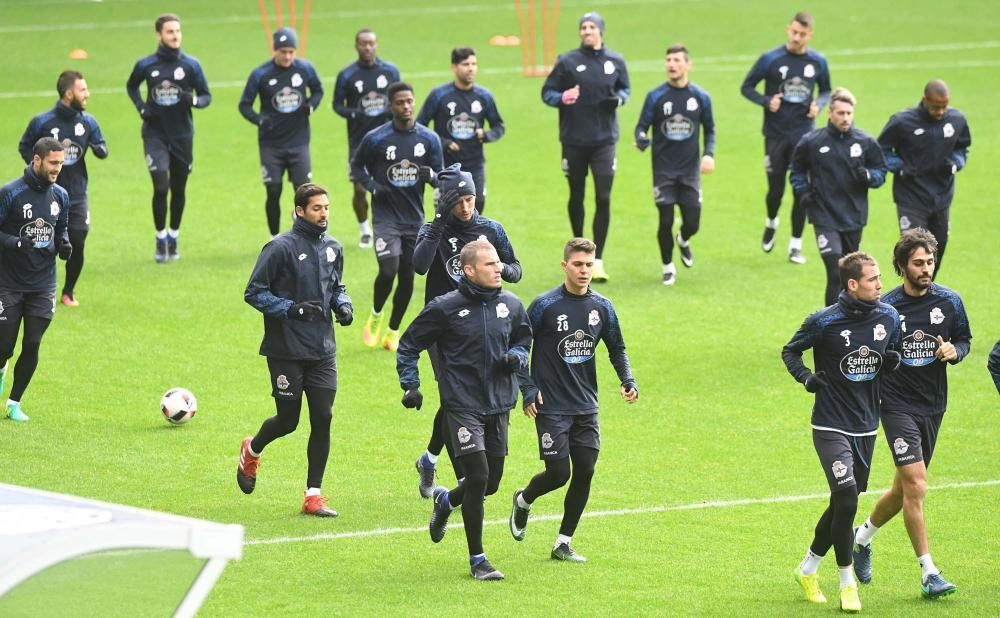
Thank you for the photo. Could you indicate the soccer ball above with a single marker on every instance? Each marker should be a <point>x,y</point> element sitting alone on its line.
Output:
<point>178,405</point>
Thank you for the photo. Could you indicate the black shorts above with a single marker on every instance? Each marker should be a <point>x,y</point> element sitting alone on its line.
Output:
<point>846,460</point>
<point>834,242</point>
<point>394,240</point>
<point>911,438</point>
<point>777,155</point>
<point>79,215</point>
<point>161,155</point>
<point>13,305</point>
<point>470,433</point>
<point>274,161</point>
<point>683,191</point>
<point>599,159</point>
<point>351,149</point>
<point>290,377</point>
<point>560,433</point>
<point>913,217</point>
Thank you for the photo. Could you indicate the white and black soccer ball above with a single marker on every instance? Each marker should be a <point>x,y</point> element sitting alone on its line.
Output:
<point>178,405</point>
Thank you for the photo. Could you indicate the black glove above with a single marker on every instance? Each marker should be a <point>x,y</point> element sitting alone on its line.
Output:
<point>892,360</point>
<point>345,315</point>
<point>266,123</point>
<point>807,196</point>
<point>643,142</point>
<point>513,362</point>
<point>377,188</point>
<point>611,102</point>
<point>147,112</point>
<point>907,170</point>
<point>630,385</point>
<point>441,209</point>
<point>413,398</point>
<point>186,97</point>
<point>306,311</point>
<point>860,175</point>
<point>305,110</point>
<point>816,381</point>
<point>948,168</point>
<point>65,250</point>
<point>24,243</point>
<point>426,174</point>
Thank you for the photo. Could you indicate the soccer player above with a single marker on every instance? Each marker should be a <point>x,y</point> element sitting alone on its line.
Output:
<point>482,337</point>
<point>993,365</point>
<point>175,84</point>
<point>561,391</point>
<point>77,131</point>
<point>289,90</point>
<point>437,254</point>
<point>34,220</point>
<point>588,85</point>
<point>460,111</point>
<point>677,110</point>
<point>935,333</point>
<point>926,146</point>
<point>791,73</point>
<point>394,162</point>
<point>854,341</point>
<point>296,283</point>
<point>832,170</point>
<point>360,96</point>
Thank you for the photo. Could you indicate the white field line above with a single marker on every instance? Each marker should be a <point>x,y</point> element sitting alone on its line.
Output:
<point>712,504</point>
<point>645,66</point>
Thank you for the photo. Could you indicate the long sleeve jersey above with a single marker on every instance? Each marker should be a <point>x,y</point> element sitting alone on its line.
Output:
<point>795,77</point>
<point>31,207</point>
<point>170,75</point>
<point>77,131</point>
<point>439,247</point>
<point>823,166</point>
<point>920,386</point>
<point>849,340</point>
<point>360,96</point>
<point>567,329</point>
<point>288,95</point>
<point>677,116</point>
<point>925,153</point>
<point>604,86</point>
<point>456,115</point>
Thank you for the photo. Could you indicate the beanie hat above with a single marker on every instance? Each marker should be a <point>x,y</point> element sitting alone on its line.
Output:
<point>285,37</point>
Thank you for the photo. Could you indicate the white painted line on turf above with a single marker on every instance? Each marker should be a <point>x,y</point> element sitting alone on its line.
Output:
<point>711,504</point>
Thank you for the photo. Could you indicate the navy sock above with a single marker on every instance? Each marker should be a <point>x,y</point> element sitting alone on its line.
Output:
<point>476,559</point>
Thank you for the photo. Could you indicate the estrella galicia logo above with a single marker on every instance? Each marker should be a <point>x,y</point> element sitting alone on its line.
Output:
<point>677,128</point>
<point>861,365</point>
<point>40,231</point>
<point>373,103</point>
<point>454,267</point>
<point>796,90</point>
<point>462,126</point>
<point>166,93</point>
<point>73,151</point>
<point>918,349</point>
<point>287,100</point>
<point>403,174</point>
<point>577,348</point>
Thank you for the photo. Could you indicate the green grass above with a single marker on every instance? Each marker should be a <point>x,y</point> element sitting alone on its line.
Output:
<point>719,418</point>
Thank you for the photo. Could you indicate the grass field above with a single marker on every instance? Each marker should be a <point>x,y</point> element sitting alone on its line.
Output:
<point>707,490</point>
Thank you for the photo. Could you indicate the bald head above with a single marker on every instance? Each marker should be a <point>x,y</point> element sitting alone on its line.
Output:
<point>936,98</point>
<point>936,88</point>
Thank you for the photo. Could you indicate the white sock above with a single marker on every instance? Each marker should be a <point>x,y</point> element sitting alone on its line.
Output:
<point>431,457</point>
<point>161,234</point>
<point>364,227</point>
<point>669,268</point>
<point>865,532</point>
<point>680,241</point>
<point>846,576</point>
<point>521,502</point>
<point>772,223</point>
<point>927,567</point>
<point>376,314</point>
<point>173,233</point>
<point>598,264</point>
<point>562,538</point>
<point>252,453</point>
<point>810,564</point>
<point>794,243</point>
<point>312,491</point>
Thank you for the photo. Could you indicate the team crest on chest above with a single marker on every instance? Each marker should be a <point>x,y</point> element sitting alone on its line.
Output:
<point>502,310</point>
<point>609,67</point>
<point>476,107</point>
<point>879,332</point>
<point>79,129</point>
<point>855,150</point>
<point>937,316</point>
<point>419,150</point>
<point>948,129</point>
<point>54,209</point>
<point>179,73</point>
<point>381,81</point>
<point>331,254</point>
<point>692,104</point>
<point>296,80</point>
<point>809,71</point>
<point>594,318</point>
